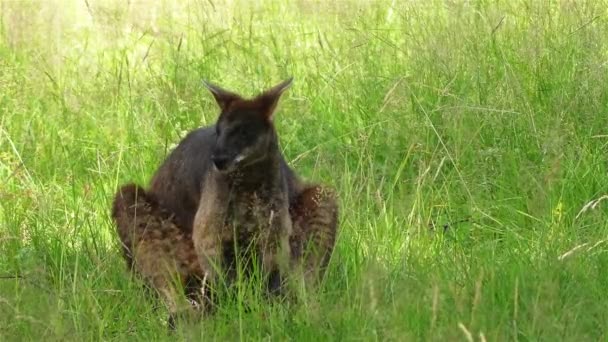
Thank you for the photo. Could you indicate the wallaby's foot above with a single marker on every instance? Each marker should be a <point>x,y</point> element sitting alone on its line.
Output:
<point>189,315</point>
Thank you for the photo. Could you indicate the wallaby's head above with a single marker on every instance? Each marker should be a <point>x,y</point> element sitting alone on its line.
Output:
<point>244,131</point>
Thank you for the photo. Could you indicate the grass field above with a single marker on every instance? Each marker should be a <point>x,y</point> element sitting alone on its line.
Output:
<point>468,142</point>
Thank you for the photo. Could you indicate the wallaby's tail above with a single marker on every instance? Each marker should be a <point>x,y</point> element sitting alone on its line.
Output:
<point>315,217</point>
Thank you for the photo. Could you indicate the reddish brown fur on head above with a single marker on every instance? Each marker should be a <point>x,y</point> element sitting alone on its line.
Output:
<point>245,133</point>
<point>263,104</point>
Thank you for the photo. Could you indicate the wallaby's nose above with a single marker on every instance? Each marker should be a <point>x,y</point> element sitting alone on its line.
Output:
<point>220,162</point>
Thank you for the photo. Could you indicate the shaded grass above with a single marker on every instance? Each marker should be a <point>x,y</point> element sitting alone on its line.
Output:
<point>421,115</point>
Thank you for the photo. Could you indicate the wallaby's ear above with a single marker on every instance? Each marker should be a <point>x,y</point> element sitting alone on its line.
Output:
<point>222,97</point>
<point>269,99</point>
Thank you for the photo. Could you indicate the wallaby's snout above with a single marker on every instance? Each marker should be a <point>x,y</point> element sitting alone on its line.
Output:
<point>221,162</point>
<point>228,154</point>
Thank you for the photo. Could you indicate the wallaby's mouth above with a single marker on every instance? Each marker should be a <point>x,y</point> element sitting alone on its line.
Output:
<point>221,163</point>
<point>225,164</point>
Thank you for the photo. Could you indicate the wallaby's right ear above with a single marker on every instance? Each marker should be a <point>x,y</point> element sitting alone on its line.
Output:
<point>223,97</point>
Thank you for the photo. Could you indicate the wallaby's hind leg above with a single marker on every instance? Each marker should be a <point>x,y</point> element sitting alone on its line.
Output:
<point>315,218</point>
<point>154,247</point>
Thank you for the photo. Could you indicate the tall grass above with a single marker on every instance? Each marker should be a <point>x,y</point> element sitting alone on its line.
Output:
<point>464,139</point>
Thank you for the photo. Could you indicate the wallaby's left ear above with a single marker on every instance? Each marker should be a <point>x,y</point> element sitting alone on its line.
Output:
<point>223,97</point>
<point>270,98</point>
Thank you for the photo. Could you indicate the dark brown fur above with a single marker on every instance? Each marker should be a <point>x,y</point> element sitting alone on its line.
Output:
<point>314,214</point>
<point>233,214</point>
<point>153,246</point>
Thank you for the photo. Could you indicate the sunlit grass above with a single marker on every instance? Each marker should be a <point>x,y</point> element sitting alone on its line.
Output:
<point>464,139</point>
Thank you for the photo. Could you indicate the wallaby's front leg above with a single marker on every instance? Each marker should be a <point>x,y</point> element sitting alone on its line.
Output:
<point>276,252</point>
<point>210,251</point>
<point>208,227</point>
<point>206,235</point>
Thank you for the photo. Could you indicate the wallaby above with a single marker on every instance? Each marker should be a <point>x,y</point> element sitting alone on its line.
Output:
<point>245,197</point>
<point>233,172</point>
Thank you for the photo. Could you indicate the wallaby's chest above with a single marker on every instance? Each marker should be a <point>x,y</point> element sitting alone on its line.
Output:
<point>251,213</point>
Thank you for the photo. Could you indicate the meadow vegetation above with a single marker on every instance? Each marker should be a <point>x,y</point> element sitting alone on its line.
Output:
<point>467,140</point>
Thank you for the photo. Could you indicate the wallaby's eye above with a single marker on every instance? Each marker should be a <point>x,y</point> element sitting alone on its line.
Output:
<point>241,132</point>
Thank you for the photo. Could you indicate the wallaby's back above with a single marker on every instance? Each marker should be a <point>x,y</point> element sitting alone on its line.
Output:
<point>177,182</point>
